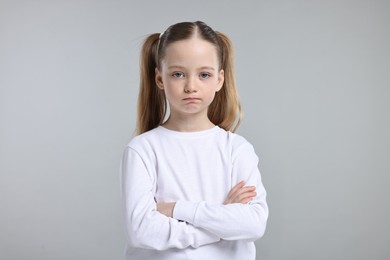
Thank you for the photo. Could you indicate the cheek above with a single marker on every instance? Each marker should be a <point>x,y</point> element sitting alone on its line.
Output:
<point>215,87</point>
<point>211,94</point>
<point>171,90</point>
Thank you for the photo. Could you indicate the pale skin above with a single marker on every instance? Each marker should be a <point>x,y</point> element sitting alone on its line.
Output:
<point>190,76</point>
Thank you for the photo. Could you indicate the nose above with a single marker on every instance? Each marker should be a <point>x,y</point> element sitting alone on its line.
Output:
<point>190,86</point>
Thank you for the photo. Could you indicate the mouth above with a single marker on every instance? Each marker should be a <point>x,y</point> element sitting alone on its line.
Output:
<point>191,99</point>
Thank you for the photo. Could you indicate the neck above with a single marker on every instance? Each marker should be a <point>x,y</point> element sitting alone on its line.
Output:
<point>185,124</point>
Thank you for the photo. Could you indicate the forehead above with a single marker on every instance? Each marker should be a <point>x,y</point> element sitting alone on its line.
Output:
<point>191,52</point>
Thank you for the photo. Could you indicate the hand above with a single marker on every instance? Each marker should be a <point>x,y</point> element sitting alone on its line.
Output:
<point>240,194</point>
<point>166,208</point>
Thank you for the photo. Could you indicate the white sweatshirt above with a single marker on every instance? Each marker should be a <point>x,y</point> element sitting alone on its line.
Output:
<point>196,170</point>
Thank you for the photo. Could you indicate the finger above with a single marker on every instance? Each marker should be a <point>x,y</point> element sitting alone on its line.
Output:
<point>245,196</point>
<point>237,187</point>
<point>237,191</point>
<point>245,201</point>
<point>242,190</point>
<point>230,197</point>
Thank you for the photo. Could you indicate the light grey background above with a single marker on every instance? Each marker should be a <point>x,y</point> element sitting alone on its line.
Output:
<point>314,82</point>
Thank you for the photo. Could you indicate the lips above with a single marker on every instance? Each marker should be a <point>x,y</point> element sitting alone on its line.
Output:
<point>191,99</point>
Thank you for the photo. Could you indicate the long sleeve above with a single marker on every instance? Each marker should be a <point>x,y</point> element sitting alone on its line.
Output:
<point>146,227</point>
<point>233,221</point>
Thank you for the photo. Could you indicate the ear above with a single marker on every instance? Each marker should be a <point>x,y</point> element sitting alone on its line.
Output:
<point>158,79</point>
<point>221,80</point>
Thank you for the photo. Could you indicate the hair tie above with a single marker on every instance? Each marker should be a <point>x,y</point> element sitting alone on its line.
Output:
<point>158,46</point>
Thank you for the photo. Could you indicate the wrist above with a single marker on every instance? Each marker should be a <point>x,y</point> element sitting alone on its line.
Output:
<point>171,208</point>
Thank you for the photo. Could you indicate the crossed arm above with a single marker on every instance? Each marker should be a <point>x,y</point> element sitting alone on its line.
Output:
<point>238,194</point>
<point>184,224</point>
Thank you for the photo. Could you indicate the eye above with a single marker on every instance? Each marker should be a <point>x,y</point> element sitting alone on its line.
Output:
<point>178,75</point>
<point>204,75</point>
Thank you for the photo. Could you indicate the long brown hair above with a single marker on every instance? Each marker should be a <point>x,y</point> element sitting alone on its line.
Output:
<point>224,111</point>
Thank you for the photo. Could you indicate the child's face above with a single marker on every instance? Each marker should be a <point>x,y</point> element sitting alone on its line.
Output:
<point>190,76</point>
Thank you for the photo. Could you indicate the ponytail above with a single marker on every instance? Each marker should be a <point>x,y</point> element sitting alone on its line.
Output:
<point>152,105</point>
<point>225,110</point>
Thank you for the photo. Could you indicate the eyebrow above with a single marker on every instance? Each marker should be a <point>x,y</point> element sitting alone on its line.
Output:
<point>181,67</point>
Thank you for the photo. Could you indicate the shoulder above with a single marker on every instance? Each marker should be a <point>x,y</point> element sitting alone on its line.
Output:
<point>144,147</point>
<point>237,141</point>
<point>144,140</point>
<point>240,146</point>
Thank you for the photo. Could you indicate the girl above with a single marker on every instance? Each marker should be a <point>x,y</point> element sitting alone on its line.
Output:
<point>191,187</point>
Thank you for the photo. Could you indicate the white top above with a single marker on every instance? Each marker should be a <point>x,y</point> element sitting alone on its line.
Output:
<point>196,170</point>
